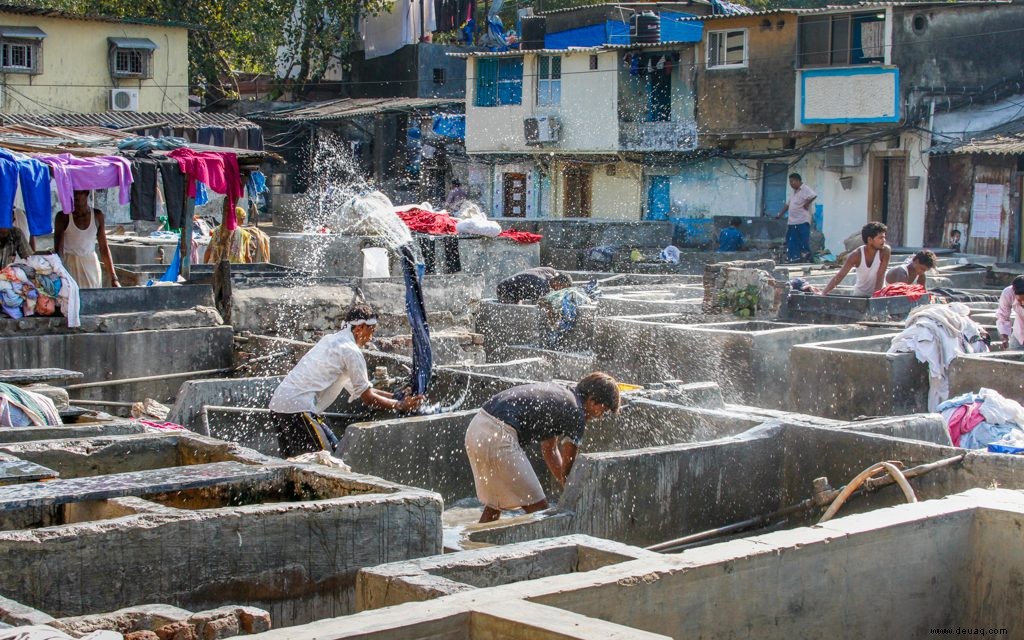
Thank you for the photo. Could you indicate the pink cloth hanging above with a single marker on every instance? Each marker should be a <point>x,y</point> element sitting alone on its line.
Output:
<point>218,170</point>
<point>71,173</point>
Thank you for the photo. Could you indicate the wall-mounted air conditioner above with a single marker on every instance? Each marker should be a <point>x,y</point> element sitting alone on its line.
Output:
<point>542,130</point>
<point>124,99</point>
<point>848,155</point>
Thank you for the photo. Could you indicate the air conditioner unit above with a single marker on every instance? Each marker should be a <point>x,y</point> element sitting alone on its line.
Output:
<point>542,129</point>
<point>848,155</point>
<point>124,99</point>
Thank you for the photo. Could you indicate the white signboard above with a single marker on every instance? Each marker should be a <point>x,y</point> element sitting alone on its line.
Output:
<point>986,210</point>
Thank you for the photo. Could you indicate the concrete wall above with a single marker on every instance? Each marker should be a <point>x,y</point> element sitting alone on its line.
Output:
<point>75,70</point>
<point>849,378</point>
<point>1001,371</point>
<point>587,110</point>
<point>115,356</point>
<point>297,558</point>
<point>726,96</point>
<point>750,360</point>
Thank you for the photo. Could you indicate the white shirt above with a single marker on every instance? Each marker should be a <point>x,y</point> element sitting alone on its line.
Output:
<point>867,275</point>
<point>799,212</point>
<point>334,363</point>
<point>1008,302</point>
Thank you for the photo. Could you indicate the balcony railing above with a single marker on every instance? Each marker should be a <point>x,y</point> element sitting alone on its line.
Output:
<point>658,136</point>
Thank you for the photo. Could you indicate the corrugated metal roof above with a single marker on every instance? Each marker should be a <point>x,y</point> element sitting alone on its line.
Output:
<point>94,141</point>
<point>1006,139</point>
<point>615,5</point>
<point>562,52</point>
<point>841,8</point>
<point>133,43</point>
<point>25,33</point>
<point>68,15</point>
<point>125,119</point>
<point>350,108</point>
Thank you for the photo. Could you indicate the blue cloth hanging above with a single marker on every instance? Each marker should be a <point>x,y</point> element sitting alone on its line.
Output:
<point>422,356</point>
<point>202,194</point>
<point>173,269</point>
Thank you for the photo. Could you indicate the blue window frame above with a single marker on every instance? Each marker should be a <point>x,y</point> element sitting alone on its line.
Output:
<point>499,81</point>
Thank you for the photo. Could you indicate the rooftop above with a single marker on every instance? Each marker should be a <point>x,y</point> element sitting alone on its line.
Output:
<point>124,119</point>
<point>344,108</point>
<point>1006,139</point>
<point>69,15</point>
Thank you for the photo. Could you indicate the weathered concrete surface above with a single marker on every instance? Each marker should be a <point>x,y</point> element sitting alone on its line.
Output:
<point>645,496</point>
<point>844,379</point>
<point>1000,371</point>
<point>437,576</point>
<point>295,558</point>
<point>497,258</point>
<point>74,430</point>
<point>841,309</point>
<point>115,356</point>
<point>748,359</point>
<point>506,325</point>
<point>138,299</point>
<point>323,254</point>
<point>132,275</point>
<point>83,457</point>
<point>926,427</point>
<point>307,310</point>
<point>114,322</point>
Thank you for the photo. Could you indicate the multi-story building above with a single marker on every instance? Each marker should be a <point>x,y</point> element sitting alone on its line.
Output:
<point>57,62</point>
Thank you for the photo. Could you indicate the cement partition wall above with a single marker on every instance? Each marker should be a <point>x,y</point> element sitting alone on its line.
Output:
<point>84,457</point>
<point>74,430</point>
<point>899,571</point>
<point>646,496</point>
<point>904,570</point>
<point>428,578</point>
<point>496,258</point>
<point>1001,371</point>
<point>285,538</point>
<point>131,354</point>
<point>506,325</point>
<point>841,309</point>
<point>844,379</point>
<point>748,359</point>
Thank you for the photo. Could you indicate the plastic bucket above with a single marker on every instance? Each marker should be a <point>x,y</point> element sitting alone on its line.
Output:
<point>375,263</point>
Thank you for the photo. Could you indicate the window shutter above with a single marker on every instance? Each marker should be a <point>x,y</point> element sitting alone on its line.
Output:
<point>486,82</point>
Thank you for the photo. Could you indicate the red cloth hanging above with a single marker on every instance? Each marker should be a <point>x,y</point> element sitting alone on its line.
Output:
<point>963,420</point>
<point>216,169</point>
<point>912,291</point>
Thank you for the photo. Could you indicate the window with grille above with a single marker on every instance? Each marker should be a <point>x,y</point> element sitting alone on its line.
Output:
<point>131,63</point>
<point>549,80</point>
<point>727,49</point>
<point>18,57</point>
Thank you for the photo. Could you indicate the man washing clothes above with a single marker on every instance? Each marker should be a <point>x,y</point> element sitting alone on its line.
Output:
<point>544,412</point>
<point>869,261</point>
<point>1012,329</point>
<point>531,285</point>
<point>333,364</point>
<point>914,271</point>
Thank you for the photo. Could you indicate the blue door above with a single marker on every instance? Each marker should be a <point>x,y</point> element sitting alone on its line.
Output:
<point>774,183</point>
<point>659,202</point>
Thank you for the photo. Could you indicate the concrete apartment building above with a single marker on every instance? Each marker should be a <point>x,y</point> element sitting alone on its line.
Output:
<point>54,61</point>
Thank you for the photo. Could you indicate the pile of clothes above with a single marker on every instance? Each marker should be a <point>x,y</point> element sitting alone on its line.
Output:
<point>23,408</point>
<point>984,419</point>
<point>424,219</point>
<point>563,309</point>
<point>38,286</point>
<point>936,334</point>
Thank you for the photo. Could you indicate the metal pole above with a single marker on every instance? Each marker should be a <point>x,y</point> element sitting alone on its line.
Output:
<point>164,376</point>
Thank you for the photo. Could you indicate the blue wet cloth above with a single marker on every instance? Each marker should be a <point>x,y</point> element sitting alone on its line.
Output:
<point>730,239</point>
<point>202,194</point>
<point>257,182</point>
<point>34,179</point>
<point>422,356</point>
<point>173,269</point>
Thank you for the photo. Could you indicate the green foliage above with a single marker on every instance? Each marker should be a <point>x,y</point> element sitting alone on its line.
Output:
<point>742,302</point>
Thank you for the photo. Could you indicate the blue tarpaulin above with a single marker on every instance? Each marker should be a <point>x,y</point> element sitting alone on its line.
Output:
<point>450,126</point>
<point>615,32</point>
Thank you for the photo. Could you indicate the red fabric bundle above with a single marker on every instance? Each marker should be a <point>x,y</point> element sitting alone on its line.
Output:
<point>423,221</point>
<point>963,420</point>
<point>912,291</point>
<point>438,223</point>
<point>521,237</point>
<point>217,170</point>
